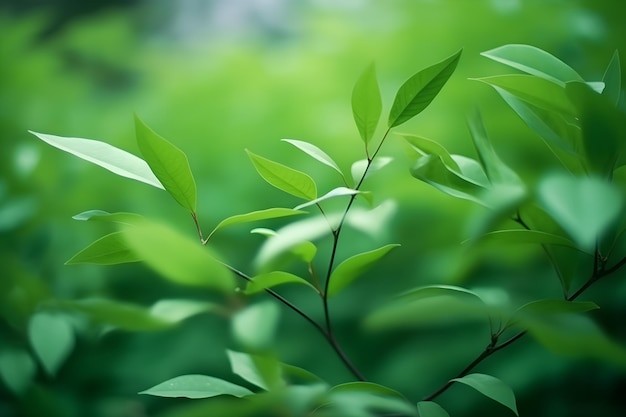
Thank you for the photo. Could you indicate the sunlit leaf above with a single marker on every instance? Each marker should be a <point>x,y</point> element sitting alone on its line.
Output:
<point>100,215</point>
<point>315,152</point>
<point>358,168</point>
<point>272,279</point>
<point>169,164</point>
<point>366,103</point>
<point>107,156</point>
<point>254,216</point>
<point>108,250</point>
<point>491,387</point>
<point>429,147</point>
<point>261,371</point>
<point>177,310</point>
<point>17,369</point>
<point>284,178</point>
<point>52,339</point>
<point>431,409</point>
<point>196,386</point>
<point>336,192</point>
<point>613,79</point>
<point>255,326</point>
<point>354,267</point>
<point>420,90</point>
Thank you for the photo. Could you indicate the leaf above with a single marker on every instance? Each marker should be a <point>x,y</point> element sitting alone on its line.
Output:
<point>366,103</point>
<point>491,387</point>
<point>355,266</point>
<point>100,215</point>
<point>584,207</point>
<point>529,313</point>
<point>516,236</point>
<point>368,387</point>
<point>613,79</point>
<point>420,90</point>
<point>534,61</point>
<point>111,249</point>
<point>358,168</point>
<point>177,258</point>
<point>174,311</point>
<point>336,192</point>
<point>17,369</point>
<point>255,326</point>
<point>426,146</point>
<point>284,178</point>
<point>262,371</point>
<point>315,152</point>
<point>368,399</point>
<point>254,216</point>
<point>169,164</point>
<point>431,409</point>
<point>52,339</point>
<point>271,279</point>
<point>107,156</point>
<point>196,386</point>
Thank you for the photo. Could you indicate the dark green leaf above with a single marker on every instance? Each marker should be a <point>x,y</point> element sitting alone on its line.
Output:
<point>613,79</point>
<point>366,103</point>
<point>420,90</point>
<point>536,311</point>
<point>169,164</point>
<point>108,250</point>
<point>274,278</point>
<point>491,387</point>
<point>315,152</point>
<point>196,386</point>
<point>52,339</point>
<point>431,409</point>
<point>107,156</point>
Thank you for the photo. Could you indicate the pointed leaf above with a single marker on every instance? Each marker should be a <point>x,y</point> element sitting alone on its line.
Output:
<point>169,164</point>
<point>358,168</point>
<point>100,215</point>
<point>613,79</point>
<point>107,156</point>
<point>420,90</point>
<point>52,339</point>
<point>529,313</point>
<point>337,192</point>
<point>426,146</point>
<point>274,278</point>
<point>284,178</point>
<point>108,250</point>
<point>355,266</point>
<point>491,387</point>
<point>315,152</point>
<point>366,103</point>
<point>262,371</point>
<point>431,409</point>
<point>254,216</point>
<point>196,386</point>
<point>534,61</point>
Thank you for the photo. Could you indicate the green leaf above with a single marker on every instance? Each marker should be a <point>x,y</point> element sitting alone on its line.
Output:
<point>613,79</point>
<point>491,387</point>
<point>366,103</point>
<point>107,156</point>
<point>169,164</point>
<point>358,168</point>
<point>108,250</point>
<point>368,399</point>
<point>52,339</point>
<point>527,315</point>
<point>369,387</point>
<point>255,326</point>
<point>584,207</point>
<point>534,61</point>
<point>336,192</point>
<point>295,373</point>
<point>284,178</point>
<point>196,386</point>
<point>516,236</point>
<point>431,409</point>
<point>271,279</point>
<point>177,258</point>
<point>17,369</point>
<point>420,90</point>
<point>355,266</point>
<point>176,310</point>
<point>100,215</point>
<point>254,216</point>
<point>426,146</point>
<point>315,152</point>
<point>262,371</point>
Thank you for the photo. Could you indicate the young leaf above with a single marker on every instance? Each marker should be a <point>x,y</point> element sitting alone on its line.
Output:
<point>17,369</point>
<point>254,216</point>
<point>613,79</point>
<point>262,371</point>
<point>169,164</point>
<point>108,250</point>
<point>534,61</point>
<point>255,326</point>
<point>420,90</point>
<point>426,146</point>
<point>491,387</point>
<point>107,156</point>
<point>52,339</point>
<point>337,192</point>
<point>315,152</point>
<point>431,409</point>
<point>196,386</point>
<point>272,279</point>
<point>366,103</point>
<point>284,178</point>
<point>100,215</point>
<point>355,266</point>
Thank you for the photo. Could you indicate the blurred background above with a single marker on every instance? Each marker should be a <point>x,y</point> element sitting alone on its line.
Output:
<point>216,77</point>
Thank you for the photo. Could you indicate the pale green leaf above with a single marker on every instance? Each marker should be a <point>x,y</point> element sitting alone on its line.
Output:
<point>517,236</point>
<point>366,103</point>
<point>107,156</point>
<point>169,164</point>
<point>426,146</point>
<point>613,79</point>
<point>420,90</point>
<point>52,339</point>
<point>336,192</point>
<point>352,268</point>
<point>108,250</point>
<point>17,369</point>
<point>177,310</point>
<point>431,409</point>
<point>196,386</point>
<point>254,216</point>
<point>358,168</point>
<point>261,371</point>
<point>491,387</point>
<point>315,152</point>
<point>255,326</point>
<point>284,178</point>
<point>100,215</point>
<point>274,278</point>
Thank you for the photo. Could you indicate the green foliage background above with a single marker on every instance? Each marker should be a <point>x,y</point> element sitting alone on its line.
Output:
<point>219,77</point>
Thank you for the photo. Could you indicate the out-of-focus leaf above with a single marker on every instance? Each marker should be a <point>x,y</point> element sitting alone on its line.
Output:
<point>366,103</point>
<point>255,326</point>
<point>261,371</point>
<point>254,216</point>
<point>367,399</point>
<point>336,192</point>
<point>52,339</point>
<point>491,387</point>
<point>196,386</point>
<point>369,387</point>
<point>515,236</point>
<point>177,310</point>
<point>107,156</point>
<point>169,164</point>
<point>431,409</point>
<point>101,215</point>
<point>420,90</point>
<point>584,207</point>
<point>274,278</point>
<point>355,266</point>
<point>284,178</point>
<point>291,373</point>
<point>17,369</point>
<point>613,79</point>
<point>108,250</point>
<point>537,311</point>
<point>177,258</point>
<point>358,168</point>
<point>534,61</point>
<point>315,152</point>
